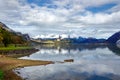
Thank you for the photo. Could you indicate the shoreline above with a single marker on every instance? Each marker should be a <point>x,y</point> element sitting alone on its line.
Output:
<point>18,53</point>
<point>8,63</point>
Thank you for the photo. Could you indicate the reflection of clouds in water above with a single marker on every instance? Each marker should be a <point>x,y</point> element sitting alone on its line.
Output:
<point>54,54</point>
<point>88,62</point>
<point>93,69</point>
<point>97,67</point>
<point>71,70</point>
<point>52,51</point>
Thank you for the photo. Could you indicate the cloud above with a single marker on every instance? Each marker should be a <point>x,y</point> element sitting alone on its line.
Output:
<point>61,16</point>
<point>100,18</point>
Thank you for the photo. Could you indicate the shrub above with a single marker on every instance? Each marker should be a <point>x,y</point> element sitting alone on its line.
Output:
<point>1,75</point>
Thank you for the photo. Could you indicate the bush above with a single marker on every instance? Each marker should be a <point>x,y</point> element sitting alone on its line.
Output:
<point>1,75</point>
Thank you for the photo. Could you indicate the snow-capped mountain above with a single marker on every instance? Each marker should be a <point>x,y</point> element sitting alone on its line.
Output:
<point>52,36</point>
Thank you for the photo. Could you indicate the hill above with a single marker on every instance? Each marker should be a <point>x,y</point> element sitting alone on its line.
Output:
<point>9,36</point>
<point>114,38</point>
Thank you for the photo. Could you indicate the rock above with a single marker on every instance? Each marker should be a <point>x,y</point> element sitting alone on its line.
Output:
<point>69,60</point>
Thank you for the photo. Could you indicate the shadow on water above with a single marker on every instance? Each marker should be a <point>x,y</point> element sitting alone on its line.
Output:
<point>114,49</point>
<point>95,77</point>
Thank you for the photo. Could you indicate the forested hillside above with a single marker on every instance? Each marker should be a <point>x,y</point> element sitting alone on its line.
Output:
<point>7,36</point>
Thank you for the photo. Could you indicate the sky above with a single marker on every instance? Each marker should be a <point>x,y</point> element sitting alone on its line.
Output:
<point>86,18</point>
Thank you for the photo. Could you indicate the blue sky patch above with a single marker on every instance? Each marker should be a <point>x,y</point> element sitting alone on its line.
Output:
<point>101,8</point>
<point>39,2</point>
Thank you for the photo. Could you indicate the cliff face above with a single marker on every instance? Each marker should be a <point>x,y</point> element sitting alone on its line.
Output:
<point>114,38</point>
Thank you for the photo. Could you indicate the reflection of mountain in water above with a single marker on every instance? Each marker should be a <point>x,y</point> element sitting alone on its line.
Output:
<point>114,49</point>
<point>81,47</point>
<point>95,77</point>
<point>90,62</point>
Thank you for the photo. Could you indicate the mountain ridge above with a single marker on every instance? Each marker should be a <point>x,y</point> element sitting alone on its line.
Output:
<point>114,38</point>
<point>5,27</point>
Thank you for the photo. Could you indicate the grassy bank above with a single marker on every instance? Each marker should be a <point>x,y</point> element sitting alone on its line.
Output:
<point>1,75</point>
<point>14,48</point>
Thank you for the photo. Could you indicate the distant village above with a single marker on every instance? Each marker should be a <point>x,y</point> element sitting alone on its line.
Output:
<point>52,40</point>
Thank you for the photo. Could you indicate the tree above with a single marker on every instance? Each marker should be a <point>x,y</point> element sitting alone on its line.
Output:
<point>5,37</point>
<point>1,38</point>
<point>16,39</point>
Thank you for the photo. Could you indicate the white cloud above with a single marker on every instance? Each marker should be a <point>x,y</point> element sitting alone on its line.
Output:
<point>100,18</point>
<point>68,15</point>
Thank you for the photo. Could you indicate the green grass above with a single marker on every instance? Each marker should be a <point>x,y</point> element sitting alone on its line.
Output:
<point>14,48</point>
<point>1,75</point>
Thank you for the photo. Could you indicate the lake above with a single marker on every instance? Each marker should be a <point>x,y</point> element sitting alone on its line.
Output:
<point>91,62</point>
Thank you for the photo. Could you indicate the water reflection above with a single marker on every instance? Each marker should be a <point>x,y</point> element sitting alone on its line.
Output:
<point>91,62</point>
<point>62,52</point>
<point>114,49</point>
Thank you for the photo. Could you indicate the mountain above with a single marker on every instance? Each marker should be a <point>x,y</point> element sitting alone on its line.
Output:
<point>9,36</point>
<point>87,40</point>
<point>114,38</point>
<point>5,27</point>
<point>51,36</point>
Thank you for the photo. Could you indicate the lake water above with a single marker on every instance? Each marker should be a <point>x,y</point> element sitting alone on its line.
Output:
<point>91,62</point>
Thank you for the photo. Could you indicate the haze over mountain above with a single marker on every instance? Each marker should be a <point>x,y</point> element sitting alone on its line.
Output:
<point>90,18</point>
